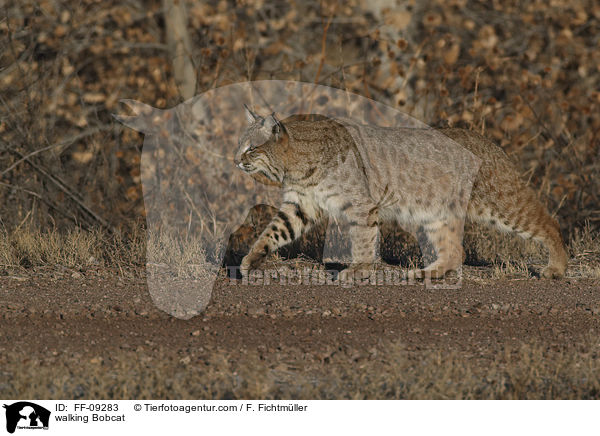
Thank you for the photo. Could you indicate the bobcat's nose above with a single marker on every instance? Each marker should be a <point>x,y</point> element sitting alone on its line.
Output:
<point>242,161</point>
<point>238,158</point>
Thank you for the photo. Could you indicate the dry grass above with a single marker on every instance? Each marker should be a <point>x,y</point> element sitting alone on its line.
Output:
<point>506,255</point>
<point>183,257</point>
<point>528,371</point>
<point>585,249</point>
<point>23,248</point>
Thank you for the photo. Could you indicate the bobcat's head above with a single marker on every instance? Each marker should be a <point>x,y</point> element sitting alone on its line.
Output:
<point>260,148</point>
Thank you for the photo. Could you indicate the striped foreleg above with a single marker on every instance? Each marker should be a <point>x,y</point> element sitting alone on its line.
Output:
<point>286,226</point>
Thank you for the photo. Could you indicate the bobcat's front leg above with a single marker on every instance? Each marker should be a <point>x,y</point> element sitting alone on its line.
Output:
<point>364,252</point>
<point>286,226</point>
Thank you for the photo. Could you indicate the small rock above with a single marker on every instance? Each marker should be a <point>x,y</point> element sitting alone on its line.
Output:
<point>256,311</point>
<point>77,275</point>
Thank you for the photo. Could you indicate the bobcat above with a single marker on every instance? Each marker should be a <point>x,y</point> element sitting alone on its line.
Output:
<point>323,172</point>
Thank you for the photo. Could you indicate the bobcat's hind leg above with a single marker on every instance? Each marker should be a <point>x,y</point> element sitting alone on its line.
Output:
<point>526,216</point>
<point>446,237</point>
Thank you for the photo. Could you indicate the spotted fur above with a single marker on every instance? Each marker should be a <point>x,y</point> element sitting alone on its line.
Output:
<point>323,171</point>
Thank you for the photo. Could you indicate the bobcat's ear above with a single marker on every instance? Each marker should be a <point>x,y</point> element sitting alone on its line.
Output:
<point>251,117</point>
<point>274,125</point>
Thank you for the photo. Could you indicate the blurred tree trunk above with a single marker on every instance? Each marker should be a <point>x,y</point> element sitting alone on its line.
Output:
<point>180,48</point>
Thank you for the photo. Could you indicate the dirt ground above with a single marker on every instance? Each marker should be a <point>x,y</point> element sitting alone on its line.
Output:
<point>96,334</point>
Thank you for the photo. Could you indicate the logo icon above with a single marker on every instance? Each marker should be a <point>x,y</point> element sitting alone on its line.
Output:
<point>26,415</point>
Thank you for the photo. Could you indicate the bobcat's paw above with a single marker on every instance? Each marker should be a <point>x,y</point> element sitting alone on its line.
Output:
<point>356,273</point>
<point>250,262</point>
<point>552,272</point>
<point>424,274</point>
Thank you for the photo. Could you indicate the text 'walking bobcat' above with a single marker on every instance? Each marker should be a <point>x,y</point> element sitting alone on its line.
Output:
<point>326,167</point>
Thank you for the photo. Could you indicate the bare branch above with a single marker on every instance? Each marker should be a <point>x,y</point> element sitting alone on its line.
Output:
<point>180,47</point>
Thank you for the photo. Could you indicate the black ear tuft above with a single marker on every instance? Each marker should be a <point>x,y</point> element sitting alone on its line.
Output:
<point>271,122</point>
<point>277,128</point>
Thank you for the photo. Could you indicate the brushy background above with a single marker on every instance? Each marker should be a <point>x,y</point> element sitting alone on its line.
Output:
<point>525,73</point>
